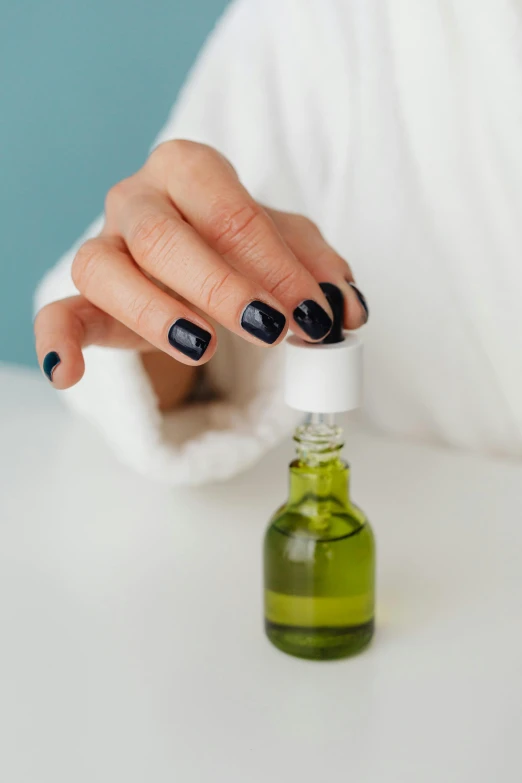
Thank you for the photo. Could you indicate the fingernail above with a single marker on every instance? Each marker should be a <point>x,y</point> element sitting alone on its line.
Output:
<point>189,338</point>
<point>335,298</point>
<point>313,319</point>
<point>50,363</point>
<point>264,322</point>
<point>362,299</point>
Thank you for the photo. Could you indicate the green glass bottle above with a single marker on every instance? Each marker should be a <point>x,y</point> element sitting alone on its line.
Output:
<point>319,555</point>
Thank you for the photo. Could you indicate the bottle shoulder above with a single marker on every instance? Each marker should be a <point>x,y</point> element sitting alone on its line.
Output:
<point>327,521</point>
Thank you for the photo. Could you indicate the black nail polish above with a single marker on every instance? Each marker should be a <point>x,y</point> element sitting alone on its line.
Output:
<point>263,321</point>
<point>335,299</point>
<point>189,338</point>
<point>312,319</point>
<point>50,363</point>
<point>361,298</point>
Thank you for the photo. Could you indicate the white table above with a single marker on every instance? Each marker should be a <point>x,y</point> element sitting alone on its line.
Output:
<point>131,640</point>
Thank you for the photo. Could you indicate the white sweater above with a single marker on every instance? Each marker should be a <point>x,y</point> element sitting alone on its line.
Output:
<point>397,126</point>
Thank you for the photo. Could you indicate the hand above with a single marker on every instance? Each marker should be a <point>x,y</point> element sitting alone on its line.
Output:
<point>183,240</point>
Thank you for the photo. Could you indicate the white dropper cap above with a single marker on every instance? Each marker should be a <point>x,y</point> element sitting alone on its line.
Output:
<point>325,377</point>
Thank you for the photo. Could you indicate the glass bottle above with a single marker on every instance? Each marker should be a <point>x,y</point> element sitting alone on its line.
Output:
<point>319,554</point>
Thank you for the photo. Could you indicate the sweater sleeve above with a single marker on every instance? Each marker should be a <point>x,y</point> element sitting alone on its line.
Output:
<point>232,101</point>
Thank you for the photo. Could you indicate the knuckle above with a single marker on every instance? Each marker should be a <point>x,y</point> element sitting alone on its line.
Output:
<point>301,222</point>
<point>285,283</point>
<point>214,290</point>
<point>117,195</point>
<point>192,150</point>
<point>185,160</point>
<point>229,229</point>
<point>153,236</point>
<point>162,153</point>
<point>180,151</point>
<point>327,258</point>
<point>141,312</point>
<point>86,263</point>
<point>307,225</point>
<point>298,223</point>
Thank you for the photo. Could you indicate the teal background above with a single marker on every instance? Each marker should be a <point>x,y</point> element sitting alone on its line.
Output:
<point>84,88</point>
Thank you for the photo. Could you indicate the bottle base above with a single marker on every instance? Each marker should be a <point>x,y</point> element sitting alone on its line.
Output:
<point>320,644</point>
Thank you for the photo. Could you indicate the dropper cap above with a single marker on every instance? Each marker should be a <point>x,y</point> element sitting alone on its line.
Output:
<point>325,377</point>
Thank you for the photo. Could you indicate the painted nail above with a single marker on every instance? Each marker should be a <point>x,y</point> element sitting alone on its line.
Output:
<point>312,319</point>
<point>335,299</point>
<point>362,299</point>
<point>263,321</point>
<point>50,363</point>
<point>189,338</point>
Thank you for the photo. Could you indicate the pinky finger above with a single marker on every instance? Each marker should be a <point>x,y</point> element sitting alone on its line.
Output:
<point>306,241</point>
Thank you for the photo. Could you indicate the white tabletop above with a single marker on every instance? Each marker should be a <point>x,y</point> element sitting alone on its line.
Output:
<point>131,639</point>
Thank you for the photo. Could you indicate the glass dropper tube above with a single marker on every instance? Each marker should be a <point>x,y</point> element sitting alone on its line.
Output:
<point>319,439</point>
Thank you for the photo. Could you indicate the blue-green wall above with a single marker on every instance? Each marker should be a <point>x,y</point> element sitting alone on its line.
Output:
<point>84,88</point>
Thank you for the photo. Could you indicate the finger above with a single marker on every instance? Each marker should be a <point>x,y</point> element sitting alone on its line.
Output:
<point>171,251</point>
<point>312,250</point>
<point>106,275</point>
<point>63,328</point>
<point>207,192</point>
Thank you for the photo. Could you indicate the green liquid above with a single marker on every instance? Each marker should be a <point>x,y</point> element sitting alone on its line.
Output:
<point>319,563</point>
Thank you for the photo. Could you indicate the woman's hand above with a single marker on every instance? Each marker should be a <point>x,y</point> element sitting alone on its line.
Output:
<point>183,240</point>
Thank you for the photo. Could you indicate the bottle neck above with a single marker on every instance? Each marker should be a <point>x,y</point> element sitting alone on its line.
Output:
<point>319,472</point>
<point>319,440</point>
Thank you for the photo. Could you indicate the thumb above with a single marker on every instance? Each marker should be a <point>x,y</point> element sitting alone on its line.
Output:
<point>63,328</point>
